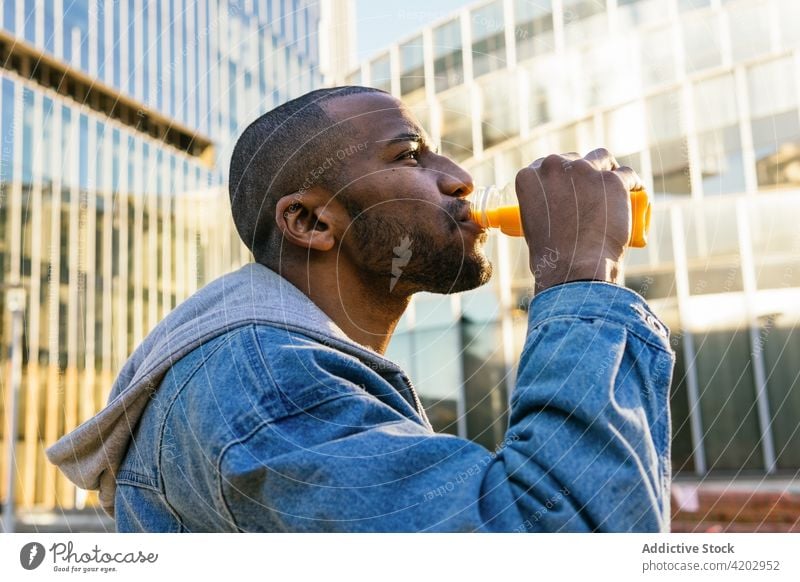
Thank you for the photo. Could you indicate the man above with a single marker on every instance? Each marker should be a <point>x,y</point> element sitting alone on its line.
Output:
<point>264,403</point>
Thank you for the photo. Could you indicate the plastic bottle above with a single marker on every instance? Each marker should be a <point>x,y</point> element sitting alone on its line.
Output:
<point>496,208</point>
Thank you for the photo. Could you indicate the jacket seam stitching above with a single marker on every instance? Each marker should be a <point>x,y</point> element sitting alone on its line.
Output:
<point>168,412</point>
<point>605,319</point>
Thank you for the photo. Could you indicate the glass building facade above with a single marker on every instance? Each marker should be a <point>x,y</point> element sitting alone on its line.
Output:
<point>117,119</point>
<point>702,98</point>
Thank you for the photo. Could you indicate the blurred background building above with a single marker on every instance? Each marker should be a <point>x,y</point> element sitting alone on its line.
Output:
<point>701,97</point>
<point>117,119</point>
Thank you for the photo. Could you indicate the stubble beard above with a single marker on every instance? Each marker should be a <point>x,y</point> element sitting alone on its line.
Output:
<point>422,263</point>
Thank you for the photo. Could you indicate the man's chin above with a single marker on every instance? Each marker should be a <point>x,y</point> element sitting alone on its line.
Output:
<point>472,273</point>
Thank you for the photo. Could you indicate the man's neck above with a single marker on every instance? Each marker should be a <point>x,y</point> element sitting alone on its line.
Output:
<point>366,314</point>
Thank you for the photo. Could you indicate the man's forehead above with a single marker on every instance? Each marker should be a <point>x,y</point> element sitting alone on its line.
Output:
<point>377,115</point>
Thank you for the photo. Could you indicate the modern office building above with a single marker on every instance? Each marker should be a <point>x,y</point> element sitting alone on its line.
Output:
<point>117,119</point>
<point>702,98</point>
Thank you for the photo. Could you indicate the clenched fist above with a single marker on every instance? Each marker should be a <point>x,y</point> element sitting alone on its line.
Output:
<point>576,214</point>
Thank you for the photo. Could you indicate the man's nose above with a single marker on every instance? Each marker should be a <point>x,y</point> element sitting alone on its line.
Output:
<point>455,180</point>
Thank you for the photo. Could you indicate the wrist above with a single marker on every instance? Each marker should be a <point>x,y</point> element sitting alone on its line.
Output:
<point>604,270</point>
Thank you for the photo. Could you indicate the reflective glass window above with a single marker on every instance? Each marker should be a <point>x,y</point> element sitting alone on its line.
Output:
<point>776,142</point>
<point>663,116</point>
<point>447,55</point>
<point>701,42</point>
<point>76,33</point>
<point>47,42</point>
<point>750,30</point>
<point>731,435</point>
<point>625,128</point>
<point>533,28</point>
<point>584,20</point>
<point>456,131</point>
<point>670,165</point>
<point>30,20</point>
<point>488,39</point>
<point>500,110</point>
<point>789,11</point>
<point>634,13</point>
<point>657,56</point>
<point>381,73</point>
<point>720,158</point>
<point>715,103</point>
<point>772,87</point>
<point>412,66</point>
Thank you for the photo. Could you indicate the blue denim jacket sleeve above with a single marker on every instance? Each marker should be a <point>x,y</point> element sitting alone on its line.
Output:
<point>587,448</point>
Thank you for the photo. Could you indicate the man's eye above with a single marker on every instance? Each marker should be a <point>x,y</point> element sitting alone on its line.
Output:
<point>409,155</point>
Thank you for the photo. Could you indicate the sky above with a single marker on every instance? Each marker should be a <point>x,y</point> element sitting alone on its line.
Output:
<point>380,22</point>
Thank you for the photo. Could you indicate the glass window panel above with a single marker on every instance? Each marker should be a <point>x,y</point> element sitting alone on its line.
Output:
<point>772,273</point>
<point>625,129</point>
<point>30,20</point>
<point>682,446</point>
<point>608,72</point>
<point>49,27</point>
<point>500,115</point>
<point>686,5</point>
<point>721,163</point>
<point>657,57</point>
<point>485,391</point>
<point>533,29</point>
<point>670,164</point>
<point>76,33</point>
<point>664,116</point>
<point>412,66</point>
<point>652,285</point>
<point>431,310</point>
<point>750,30</point>
<point>789,11</point>
<point>538,108</point>
<point>27,136</point>
<point>715,102</point>
<point>701,42</point>
<point>584,20</point>
<point>781,350</point>
<point>448,58</point>
<point>776,141</point>
<point>727,401</point>
<point>708,279</point>
<point>635,13</point>
<point>772,87</point>
<point>437,355</point>
<point>456,129</point>
<point>488,39</point>
<point>773,224</point>
<point>381,73</point>
<point>9,16</point>
<point>710,230</point>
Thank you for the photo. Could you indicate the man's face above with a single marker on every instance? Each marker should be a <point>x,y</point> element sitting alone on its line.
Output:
<point>410,226</point>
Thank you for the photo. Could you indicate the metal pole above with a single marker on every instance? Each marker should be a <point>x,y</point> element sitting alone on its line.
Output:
<point>15,300</point>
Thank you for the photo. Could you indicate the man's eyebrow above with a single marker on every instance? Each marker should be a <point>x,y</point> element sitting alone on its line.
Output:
<point>409,136</point>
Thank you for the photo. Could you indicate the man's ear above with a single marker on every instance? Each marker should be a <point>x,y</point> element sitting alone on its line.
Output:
<point>310,219</point>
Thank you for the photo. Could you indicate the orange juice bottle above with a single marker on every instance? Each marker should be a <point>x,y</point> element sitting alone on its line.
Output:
<point>496,208</point>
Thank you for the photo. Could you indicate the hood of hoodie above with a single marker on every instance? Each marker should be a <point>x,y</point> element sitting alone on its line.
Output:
<point>91,454</point>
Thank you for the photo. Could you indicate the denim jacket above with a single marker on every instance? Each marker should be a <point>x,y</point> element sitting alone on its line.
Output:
<point>247,409</point>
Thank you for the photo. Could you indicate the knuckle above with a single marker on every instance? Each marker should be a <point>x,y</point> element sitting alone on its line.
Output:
<point>552,162</point>
<point>583,166</point>
<point>602,152</point>
<point>524,177</point>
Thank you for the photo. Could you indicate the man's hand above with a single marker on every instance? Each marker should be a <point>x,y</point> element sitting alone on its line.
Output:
<point>576,214</point>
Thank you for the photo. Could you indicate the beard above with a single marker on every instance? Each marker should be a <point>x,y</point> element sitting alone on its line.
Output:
<point>412,258</point>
